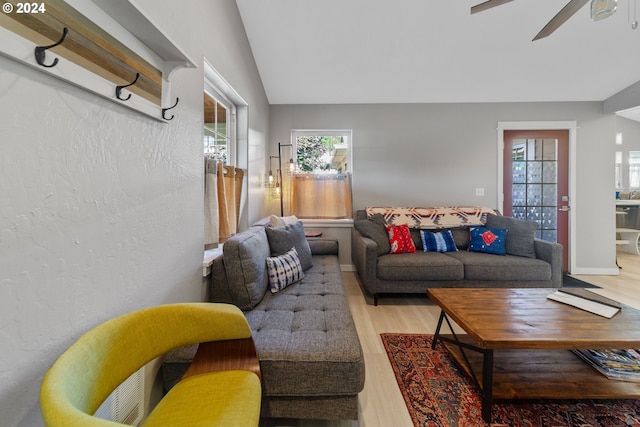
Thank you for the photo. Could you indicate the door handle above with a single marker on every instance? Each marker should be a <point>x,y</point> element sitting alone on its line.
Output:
<point>564,208</point>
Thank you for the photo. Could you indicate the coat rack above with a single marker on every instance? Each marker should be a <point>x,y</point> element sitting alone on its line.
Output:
<point>40,51</point>
<point>89,57</point>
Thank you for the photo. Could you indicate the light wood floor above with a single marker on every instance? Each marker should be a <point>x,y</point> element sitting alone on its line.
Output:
<point>381,404</point>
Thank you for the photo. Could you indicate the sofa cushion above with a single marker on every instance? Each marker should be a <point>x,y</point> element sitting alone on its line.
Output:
<point>487,240</point>
<point>482,266</point>
<point>245,267</point>
<point>438,242</point>
<point>419,266</point>
<point>400,239</point>
<point>283,238</point>
<point>520,234</point>
<point>284,270</point>
<point>374,227</point>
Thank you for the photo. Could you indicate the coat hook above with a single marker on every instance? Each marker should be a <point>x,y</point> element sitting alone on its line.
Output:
<point>119,89</point>
<point>40,51</point>
<point>164,110</point>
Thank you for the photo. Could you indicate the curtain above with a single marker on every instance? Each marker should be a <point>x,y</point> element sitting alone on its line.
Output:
<point>229,196</point>
<point>321,196</point>
<point>223,193</point>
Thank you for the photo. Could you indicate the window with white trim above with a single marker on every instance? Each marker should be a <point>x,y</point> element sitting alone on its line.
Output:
<point>219,135</point>
<point>321,183</point>
<point>322,151</point>
<point>618,170</point>
<point>634,169</point>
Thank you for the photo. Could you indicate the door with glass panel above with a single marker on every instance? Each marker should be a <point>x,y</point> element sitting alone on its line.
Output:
<point>536,182</point>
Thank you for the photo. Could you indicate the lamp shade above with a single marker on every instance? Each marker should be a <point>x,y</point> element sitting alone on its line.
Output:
<point>601,9</point>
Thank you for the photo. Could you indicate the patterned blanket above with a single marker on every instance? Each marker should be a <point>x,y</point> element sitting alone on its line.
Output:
<point>434,217</point>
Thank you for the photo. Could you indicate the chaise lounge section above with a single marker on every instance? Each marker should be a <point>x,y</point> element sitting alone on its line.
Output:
<point>310,355</point>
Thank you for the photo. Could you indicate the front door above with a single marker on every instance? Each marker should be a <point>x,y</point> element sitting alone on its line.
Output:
<point>536,182</point>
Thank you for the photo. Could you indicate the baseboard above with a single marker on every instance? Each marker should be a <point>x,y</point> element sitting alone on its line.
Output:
<point>596,271</point>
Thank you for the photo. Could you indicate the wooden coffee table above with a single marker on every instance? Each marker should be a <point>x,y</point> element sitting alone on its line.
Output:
<point>517,344</point>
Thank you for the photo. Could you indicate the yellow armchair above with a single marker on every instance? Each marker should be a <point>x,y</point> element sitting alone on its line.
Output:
<point>86,373</point>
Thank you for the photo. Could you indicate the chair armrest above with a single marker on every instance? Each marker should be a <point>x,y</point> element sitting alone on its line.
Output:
<point>227,355</point>
<point>551,253</point>
<point>364,254</point>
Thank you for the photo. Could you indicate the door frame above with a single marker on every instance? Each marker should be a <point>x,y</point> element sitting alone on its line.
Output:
<point>570,126</point>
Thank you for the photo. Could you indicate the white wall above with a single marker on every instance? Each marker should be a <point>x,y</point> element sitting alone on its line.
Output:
<point>100,207</point>
<point>437,154</point>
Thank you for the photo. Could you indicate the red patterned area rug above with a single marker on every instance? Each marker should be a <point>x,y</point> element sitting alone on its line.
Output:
<point>439,394</point>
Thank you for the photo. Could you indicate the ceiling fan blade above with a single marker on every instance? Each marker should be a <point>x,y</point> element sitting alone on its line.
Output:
<point>561,17</point>
<point>487,5</point>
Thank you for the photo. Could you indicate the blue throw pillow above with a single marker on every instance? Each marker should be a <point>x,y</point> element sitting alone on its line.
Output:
<point>488,240</point>
<point>438,242</point>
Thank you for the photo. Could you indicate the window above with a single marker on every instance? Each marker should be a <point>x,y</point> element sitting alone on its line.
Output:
<point>634,169</point>
<point>218,127</point>
<point>534,188</point>
<point>618,170</point>
<point>225,118</point>
<point>322,151</point>
<point>321,184</point>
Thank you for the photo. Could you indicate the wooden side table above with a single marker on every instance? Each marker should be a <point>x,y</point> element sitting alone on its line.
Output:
<point>312,233</point>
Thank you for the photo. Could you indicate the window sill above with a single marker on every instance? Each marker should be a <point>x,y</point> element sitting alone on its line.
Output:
<point>207,260</point>
<point>328,223</point>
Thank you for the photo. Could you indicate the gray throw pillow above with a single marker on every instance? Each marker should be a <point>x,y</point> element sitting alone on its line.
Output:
<point>461,237</point>
<point>245,266</point>
<point>374,228</point>
<point>520,234</point>
<point>283,238</point>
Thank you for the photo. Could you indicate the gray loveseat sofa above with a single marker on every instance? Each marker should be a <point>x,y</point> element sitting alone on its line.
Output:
<point>528,263</point>
<point>310,355</point>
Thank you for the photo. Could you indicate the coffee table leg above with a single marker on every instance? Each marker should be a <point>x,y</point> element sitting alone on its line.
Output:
<point>437,334</point>
<point>487,384</point>
<point>487,366</point>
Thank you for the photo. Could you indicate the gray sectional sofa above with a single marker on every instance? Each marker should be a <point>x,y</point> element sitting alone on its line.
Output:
<point>528,262</point>
<point>310,355</point>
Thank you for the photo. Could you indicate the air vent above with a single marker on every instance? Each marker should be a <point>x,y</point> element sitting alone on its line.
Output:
<point>126,403</point>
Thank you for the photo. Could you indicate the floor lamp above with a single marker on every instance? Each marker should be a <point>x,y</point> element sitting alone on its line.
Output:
<point>291,170</point>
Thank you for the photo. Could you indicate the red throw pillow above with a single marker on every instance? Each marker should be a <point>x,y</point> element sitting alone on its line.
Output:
<point>400,239</point>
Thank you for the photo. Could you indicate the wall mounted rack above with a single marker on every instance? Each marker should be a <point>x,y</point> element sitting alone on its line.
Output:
<point>108,47</point>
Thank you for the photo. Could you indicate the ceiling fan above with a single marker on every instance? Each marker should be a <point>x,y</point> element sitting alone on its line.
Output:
<point>600,9</point>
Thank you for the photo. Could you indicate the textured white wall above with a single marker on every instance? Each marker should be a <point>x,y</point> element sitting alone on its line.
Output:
<point>100,207</point>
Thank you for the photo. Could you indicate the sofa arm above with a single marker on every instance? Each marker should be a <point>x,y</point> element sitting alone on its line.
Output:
<point>551,253</point>
<point>321,246</point>
<point>364,254</point>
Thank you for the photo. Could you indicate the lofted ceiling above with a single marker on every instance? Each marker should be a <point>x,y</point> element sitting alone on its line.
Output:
<point>425,51</point>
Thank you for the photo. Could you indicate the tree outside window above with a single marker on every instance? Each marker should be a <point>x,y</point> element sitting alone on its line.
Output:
<point>321,184</point>
<point>319,153</point>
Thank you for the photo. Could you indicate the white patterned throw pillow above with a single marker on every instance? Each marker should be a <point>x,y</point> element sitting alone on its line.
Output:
<point>284,270</point>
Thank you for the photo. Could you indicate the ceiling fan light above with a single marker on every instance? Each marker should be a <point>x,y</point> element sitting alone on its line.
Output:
<point>601,9</point>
